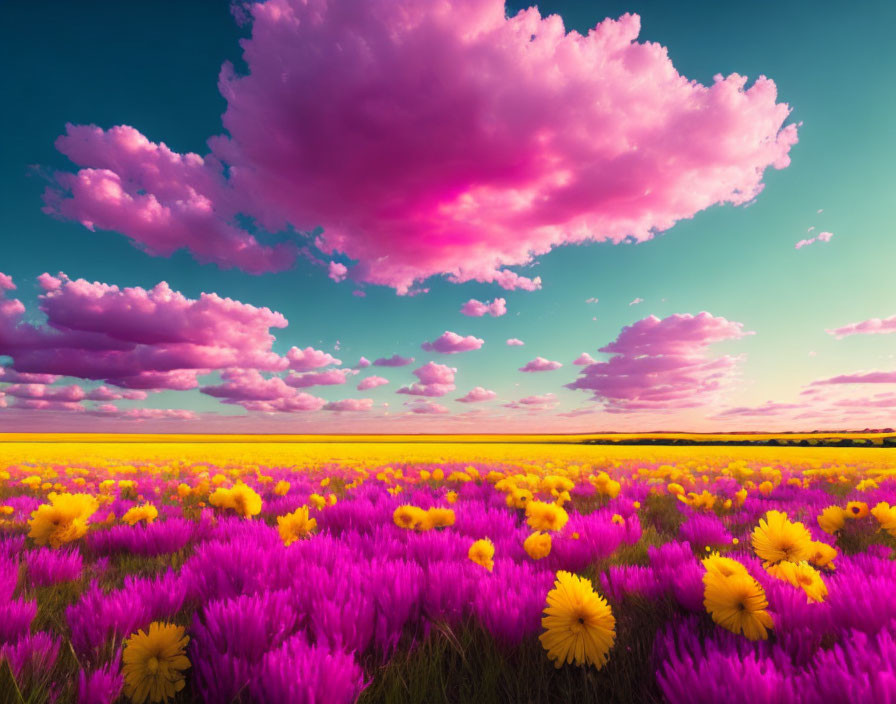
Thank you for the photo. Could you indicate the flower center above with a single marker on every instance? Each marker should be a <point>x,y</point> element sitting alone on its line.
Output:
<point>152,665</point>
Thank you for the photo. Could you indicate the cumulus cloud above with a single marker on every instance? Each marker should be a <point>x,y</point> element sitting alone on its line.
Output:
<point>426,407</point>
<point>452,343</point>
<point>540,364</point>
<point>514,342</point>
<point>337,271</point>
<point>584,359</point>
<point>133,337</point>
<point>477,394</point>
<point>350,404</point>
<point>873,326</point>
<point>544,137</point>
<point>394,361</point>
<point>433,380</point>
<point>371,382</point>
<point>363,363</point>
<point>545,402</point>
<point>330,377</point>
<point>661,364</point>
<point>477,309</point>
<point>309,358</point>
<point>11,376</point>
<point>821,237</point>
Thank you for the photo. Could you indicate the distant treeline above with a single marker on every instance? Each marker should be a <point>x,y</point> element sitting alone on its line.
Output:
<point>885,441</point>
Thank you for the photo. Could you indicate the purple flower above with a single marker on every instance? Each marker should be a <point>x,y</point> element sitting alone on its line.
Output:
<point>47,567</point>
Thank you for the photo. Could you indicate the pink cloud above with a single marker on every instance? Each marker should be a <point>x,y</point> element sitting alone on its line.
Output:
<point>358,293</point>
<point>248,385</point>
<point>350,404</point>
<point>134,337</point>
<point>393,361</point>
<point>331,377</point>
<point>769,408</point>
<point>545,402</point>
<point>514,342</point>
<point>363,363</point>
<point>540,364</point>
<point>860,378</point>
<point>876,401</point>
<point>47,393</point>
<point>104,393</point>
<point>477,309</point>
<point>662,364</point>
<point>873,326</point>
<point>584,359</point>
<point>298,403</point>
<point>452,343</point>
<point>821,237</point>
<point>11,376</point>
<point>371,382</point>
<point>426,407</point>
<point>433,380</point>
<point>636,301</point>
<point>309,358</point>
<point>337,271</point>
<point>159,414</point>
<point>477,394</point>
<point>545,137</point>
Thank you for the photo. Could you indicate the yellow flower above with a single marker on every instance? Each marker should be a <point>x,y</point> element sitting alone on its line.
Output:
<point>317,501</point>
<point>440,517</point>
<point>886,517</point>
<point>281,487</point>
<point>409,517</point>
<point>802,575</point>
<point>776,538</point>
<point>766,488</point>
<point>823,555</point>
<point>135,514</point>
<point>518,498</point>
<point>240,498</point>
<point>831,519</point>
<point>538,545</point>
<point>723,566</point>
<point>856,509</point>
<point>675,489</point>
<point>154,663</point>
<point>544,516</point>
<point>62,520</point>
<point>482,552</point>
<point>579,625</point>
<point>296,525</point>
<point>617,520</point>
<point>737,602</point>
<point>451,497</point>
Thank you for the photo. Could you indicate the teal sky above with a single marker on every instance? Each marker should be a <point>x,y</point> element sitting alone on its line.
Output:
<point>154,67</point>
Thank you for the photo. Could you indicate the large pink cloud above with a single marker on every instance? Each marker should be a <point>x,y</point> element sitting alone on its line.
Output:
<point>540,364</point>
<point>136,338</point>
<point>478,394</point>
<point>477,309</point>
<point>433,138</point>
<point>452,343</point>
<point>433,380</point>
<point>662,364</point>
<point>371,382</point>
<point>309,358</point>
<point>873,326</point>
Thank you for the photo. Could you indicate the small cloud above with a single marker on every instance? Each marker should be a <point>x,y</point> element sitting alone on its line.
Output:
<point>591,300</point>
<point>394,361</point>
<point>452,343</point>
<point>822,237</point>
<point>478,394</point>
<point>513,342</point>
<point>477,309</point>
<point>350,404</point>
<point>540,364</point>
<point>371,382</point>
<point>636,301</point>
<point>584,359</point>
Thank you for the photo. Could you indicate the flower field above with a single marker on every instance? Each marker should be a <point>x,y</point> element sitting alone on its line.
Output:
<point>391,572</point>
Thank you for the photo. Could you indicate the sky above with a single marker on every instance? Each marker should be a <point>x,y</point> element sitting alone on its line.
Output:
<point>589,216</point>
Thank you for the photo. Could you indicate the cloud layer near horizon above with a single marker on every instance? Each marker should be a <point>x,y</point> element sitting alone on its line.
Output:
<point>544,138</point>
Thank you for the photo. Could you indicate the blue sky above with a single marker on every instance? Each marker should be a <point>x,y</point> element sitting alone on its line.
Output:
<point>154,67</point>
